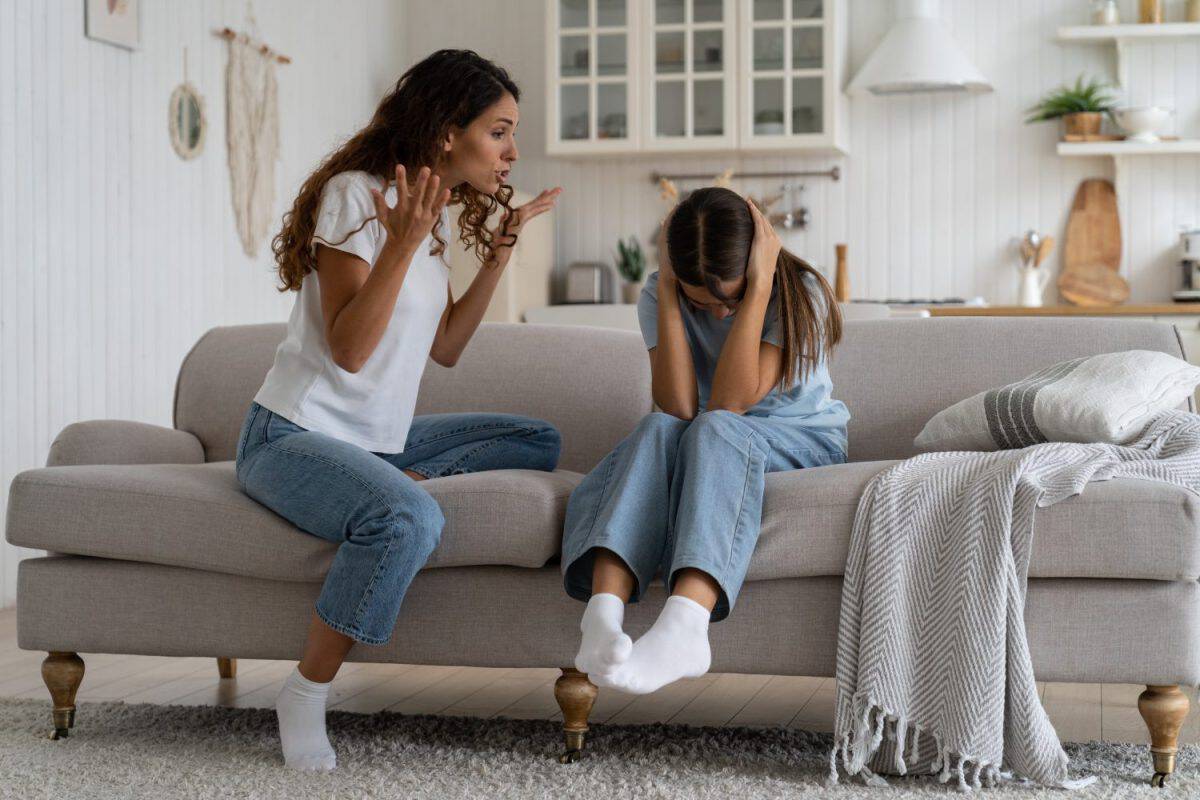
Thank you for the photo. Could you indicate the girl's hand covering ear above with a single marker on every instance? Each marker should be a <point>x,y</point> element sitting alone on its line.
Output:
<point>764,253</point>
<point>666,274</point>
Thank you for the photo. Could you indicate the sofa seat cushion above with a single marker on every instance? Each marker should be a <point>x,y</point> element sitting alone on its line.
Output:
<point>196,515</point>
<point>1119,528</point>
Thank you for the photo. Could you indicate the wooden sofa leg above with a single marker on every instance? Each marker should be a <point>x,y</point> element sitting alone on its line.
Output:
<point>62,673</point>
<point>1164,709</point>
<point>227,667</point>
<point>575,695</point>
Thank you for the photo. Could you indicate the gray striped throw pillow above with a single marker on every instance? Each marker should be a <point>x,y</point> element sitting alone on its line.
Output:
<point>1105,398</point>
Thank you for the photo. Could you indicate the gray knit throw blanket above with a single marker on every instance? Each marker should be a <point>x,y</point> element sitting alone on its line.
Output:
<point>933,671</point>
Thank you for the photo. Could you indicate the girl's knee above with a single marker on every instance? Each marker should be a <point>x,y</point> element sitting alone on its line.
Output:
<point>718,420</point>
<point>658,423</point>
<point>722,423</point>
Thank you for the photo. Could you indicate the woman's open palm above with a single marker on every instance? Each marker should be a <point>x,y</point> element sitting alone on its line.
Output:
<point>416,209</point>
<point>522,214</point>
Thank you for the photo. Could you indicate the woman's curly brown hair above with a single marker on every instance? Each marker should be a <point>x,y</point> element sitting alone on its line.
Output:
<point>448,89</point>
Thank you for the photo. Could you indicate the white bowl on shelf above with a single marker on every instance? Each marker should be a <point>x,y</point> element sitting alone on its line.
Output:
<point>1142,123</point>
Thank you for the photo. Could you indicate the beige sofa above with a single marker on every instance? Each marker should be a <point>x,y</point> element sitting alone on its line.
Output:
<point>155,550</point>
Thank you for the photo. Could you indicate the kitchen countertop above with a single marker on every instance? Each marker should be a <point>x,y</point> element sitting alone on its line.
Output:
<point>1123,310</point>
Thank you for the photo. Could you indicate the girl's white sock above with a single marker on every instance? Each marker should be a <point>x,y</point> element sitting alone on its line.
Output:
<point>676,646</point>
<point>604,646</point>
<point>300,707</point>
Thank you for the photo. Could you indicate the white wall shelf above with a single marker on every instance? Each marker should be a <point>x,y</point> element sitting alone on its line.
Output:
<point>1124,35</point>
<point>1135,32</point>
<point>1122,151</point>
<point>1128,148</point>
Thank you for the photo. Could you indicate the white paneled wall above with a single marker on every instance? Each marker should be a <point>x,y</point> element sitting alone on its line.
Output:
<point>117,254</point>
<point>934,188</point>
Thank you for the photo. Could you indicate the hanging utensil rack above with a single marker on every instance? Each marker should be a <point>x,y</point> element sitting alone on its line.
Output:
<point>833,173</point>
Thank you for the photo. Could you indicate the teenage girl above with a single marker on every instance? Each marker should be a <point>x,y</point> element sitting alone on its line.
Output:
<point>330,442</point>
<point>738,332</point>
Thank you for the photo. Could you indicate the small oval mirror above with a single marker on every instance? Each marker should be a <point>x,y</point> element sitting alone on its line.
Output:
<point>188,124</point>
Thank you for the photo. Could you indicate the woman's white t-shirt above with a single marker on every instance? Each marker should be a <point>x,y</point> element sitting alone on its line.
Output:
<point>372,408</point>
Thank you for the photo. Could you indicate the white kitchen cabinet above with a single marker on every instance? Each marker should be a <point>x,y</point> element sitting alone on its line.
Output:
<point>791,73</point>
<point>689,78</point>
<point>654,76</point>
<point>591,66</point>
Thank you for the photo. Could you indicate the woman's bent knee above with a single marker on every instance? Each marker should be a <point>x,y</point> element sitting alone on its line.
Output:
<point>426,517</point>
<point>412,515</point>
<point>545,444</point>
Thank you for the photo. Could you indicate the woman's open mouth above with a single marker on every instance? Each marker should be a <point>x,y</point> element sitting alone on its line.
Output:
<point>502,175</point>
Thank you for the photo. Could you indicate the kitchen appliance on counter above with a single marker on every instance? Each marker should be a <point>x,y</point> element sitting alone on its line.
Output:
<point>1190,266</point>
<point>589,282</point>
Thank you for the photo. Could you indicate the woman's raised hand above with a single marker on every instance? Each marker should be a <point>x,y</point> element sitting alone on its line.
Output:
<point>416,210</point>
<point>666,273</point>
<point>522,214</point>
<point>764,252</point>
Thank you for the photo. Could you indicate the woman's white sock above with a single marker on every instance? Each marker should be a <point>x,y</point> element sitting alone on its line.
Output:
<point>300,707</point>
<point>604,646</point>
<point>676,646</point>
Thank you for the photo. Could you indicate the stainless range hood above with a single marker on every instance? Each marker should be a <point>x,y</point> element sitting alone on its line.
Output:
<point>918,55</point>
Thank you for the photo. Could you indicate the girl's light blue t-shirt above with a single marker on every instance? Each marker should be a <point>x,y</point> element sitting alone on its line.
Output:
<point>808,401</point>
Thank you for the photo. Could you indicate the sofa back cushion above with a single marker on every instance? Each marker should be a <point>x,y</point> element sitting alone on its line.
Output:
<point>896,374</point>
<point>593,384</point>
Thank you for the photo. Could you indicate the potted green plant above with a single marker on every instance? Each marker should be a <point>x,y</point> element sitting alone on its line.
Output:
<point>1081,107</point>
<point>631,263</point>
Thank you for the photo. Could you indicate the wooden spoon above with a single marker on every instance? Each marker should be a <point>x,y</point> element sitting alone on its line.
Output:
<point>1044,250</point>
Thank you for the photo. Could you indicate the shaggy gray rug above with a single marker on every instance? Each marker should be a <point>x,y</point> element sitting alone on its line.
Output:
<point>152,751</point>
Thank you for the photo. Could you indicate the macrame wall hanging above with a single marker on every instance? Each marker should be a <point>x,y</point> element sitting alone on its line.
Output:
<point>251,130</point>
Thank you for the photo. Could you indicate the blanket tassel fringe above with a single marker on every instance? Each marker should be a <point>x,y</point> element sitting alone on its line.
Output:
<point>874,723</point>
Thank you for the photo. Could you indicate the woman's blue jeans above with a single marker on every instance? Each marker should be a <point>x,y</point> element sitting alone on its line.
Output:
<point>676,494</point>
<point>385,523</point>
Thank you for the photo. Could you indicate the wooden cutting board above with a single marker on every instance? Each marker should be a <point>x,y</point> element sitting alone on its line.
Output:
<point>1093,285</point>
<point>1092,253</point>
<point>1093,229</point>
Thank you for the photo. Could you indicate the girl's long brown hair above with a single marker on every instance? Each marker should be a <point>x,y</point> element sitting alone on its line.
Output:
<point>708,241</point>
<point>450,88</point>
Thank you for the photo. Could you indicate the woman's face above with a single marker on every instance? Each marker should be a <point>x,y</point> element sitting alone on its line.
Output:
<point>702,299</point>
<point>482,153</point>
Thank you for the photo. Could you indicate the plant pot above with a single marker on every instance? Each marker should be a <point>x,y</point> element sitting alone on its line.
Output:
<point>1083,123</point>
<point>630,292</point>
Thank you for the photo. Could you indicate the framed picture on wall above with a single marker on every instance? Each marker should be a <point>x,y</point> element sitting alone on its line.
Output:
<point>113,21</point>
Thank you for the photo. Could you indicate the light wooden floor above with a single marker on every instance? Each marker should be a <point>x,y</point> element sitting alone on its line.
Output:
<point>1080,712</point>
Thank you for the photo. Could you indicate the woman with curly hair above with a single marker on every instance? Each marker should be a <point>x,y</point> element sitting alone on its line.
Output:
<point>330,442</point>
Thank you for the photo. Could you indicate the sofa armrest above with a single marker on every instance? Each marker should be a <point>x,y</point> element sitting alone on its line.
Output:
<point>110,441</point>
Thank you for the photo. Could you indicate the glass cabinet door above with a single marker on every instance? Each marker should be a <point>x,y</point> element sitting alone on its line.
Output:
<point>631,76</point>
<point>690,69</point>
<point>784,91</point>
<point>591,100</point>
